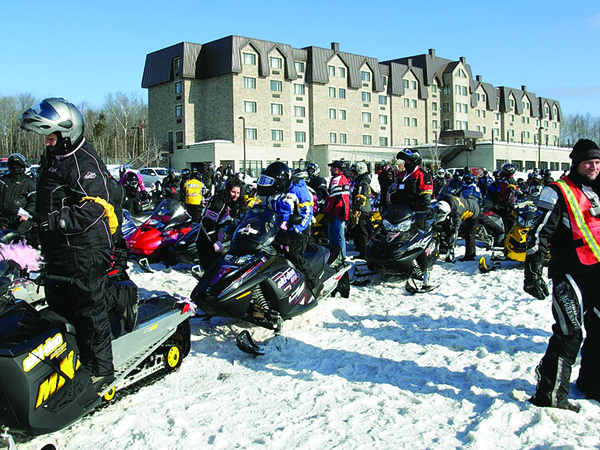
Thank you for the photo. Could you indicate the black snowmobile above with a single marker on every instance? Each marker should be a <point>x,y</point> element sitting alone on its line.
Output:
<point>401,248</point>
<point>43,387</point>
<point>255,283</point>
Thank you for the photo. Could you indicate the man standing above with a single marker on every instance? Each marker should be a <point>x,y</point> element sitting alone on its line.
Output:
<point>570,228</point>
<point>191,195</point>
<point>337,206</point>
<point>75,221</point>
<point>360,215</point>
<point>17,196</point>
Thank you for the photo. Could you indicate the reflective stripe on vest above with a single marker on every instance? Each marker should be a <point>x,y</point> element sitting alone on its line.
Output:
<point>579,213</point>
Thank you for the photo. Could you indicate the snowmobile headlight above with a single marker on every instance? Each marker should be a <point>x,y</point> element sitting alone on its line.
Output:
<point>401,227</point>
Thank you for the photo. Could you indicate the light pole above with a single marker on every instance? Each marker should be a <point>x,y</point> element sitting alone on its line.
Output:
<point>243,119</point>
<point>540,147</point>
<point>138,139</point>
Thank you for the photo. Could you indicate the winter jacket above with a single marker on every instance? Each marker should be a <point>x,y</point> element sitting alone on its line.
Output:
<point>16,192</point>
<point>412,189</point>
<point>219,209</point>
<point>73,221</point>
<point>502,192</point>
<point>338,199</point>
<point>191,192</point>
<point>361,193</point>
<point>298,200</point>
<point>319,185</point>
<point>171,188</point>
<point>557,231</point>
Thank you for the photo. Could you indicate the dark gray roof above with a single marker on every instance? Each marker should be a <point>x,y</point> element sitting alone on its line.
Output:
<point>491,99</point>
<point>159,65</point>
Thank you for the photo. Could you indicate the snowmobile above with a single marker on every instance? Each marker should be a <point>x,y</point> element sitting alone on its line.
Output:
<point>401,248</point>
<point>255,283</point>
<point>44,388</point>
<point>150,242</point>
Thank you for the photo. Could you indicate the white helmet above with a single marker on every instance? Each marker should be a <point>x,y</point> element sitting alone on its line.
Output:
<point>443,210</point>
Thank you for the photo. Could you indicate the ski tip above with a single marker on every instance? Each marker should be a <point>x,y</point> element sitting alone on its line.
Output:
<point>486,266</point>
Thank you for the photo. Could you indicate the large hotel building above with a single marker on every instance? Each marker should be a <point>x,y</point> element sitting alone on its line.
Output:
<point>247,101</point>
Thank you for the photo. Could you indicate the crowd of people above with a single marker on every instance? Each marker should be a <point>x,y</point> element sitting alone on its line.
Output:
<point>74,212</point>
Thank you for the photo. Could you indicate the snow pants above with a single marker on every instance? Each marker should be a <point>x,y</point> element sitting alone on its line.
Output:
<point>362,232</point>
<point>76,289</point>
<point>575,305</point>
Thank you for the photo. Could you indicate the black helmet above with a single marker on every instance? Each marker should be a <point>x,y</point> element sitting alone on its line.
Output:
<point>313,169</point>
<point>194,174</point>
<point>509,169</point>
<point>16,164</point>
<point>274,179</point>
<point>56,115</point>
<point>468,178</point>
<point>131,180</point>
<point>185,174</point>
<point>412,158</point>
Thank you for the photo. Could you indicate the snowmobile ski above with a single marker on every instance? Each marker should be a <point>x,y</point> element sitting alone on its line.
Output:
<point>362,270</point>
<point>246,344</point>
<point>412,288</point>
<point>145,265</point>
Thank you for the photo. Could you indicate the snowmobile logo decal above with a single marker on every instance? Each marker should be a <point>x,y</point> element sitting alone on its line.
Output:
<point>52,347</point>
<point>248,230</point>
<point>89,176</point>
<point>68,367</point>
<point>285,280</point>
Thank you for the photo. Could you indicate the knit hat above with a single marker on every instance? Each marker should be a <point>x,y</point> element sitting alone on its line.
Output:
<point>583,150</point>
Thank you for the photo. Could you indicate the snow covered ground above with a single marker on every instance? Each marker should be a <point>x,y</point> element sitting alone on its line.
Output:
<point>452,368</point>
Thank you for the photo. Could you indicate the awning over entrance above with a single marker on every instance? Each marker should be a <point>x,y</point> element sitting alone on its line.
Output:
<point>461,134</point>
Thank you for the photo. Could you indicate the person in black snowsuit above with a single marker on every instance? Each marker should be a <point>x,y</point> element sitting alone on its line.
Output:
<point>171,185</point>
<point>228,203</point>
<point>209,180</point>
<point>17,196</point>
<point>360,212</point>
<point>316,182</point>
<point>452,212</point>
<point>570,228</point>
<point>76,222</point>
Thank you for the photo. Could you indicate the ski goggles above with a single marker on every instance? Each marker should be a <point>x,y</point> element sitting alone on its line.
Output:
<point>265,180</point>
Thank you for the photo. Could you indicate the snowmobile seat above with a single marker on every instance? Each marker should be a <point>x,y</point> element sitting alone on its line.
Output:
<point>57,320</point>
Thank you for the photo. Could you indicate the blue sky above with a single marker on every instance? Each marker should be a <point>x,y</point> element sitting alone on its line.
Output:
<point>85,50</point>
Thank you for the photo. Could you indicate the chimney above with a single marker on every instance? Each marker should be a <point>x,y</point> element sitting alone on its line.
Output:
<point>463,60</point>
<point>409,63</point>
<point>335,46</point>
<point>479,78</point>
<point>524,88</point>
<point>432,52</point>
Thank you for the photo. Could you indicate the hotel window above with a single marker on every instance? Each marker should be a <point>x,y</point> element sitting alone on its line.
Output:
<point>343,138</point>
<point>366,96</point>
<point>299,111</point>
<point>407,141</point>
<point>342,93</point>
<point>342,114</point>
<point>276,109</point>
<point>299,66</point>
<point>179,87</point>
<point>249,82</point>
<point>275,62</point>
<point>458,90</point>
<point>406,103</point>
<point>483,97</point>
<point>478,112</point>
<point>483,114</point>
<point>382,100</point>
<point>434,106</point>
<point>415,142</point>
<point>383,120</point>
<point>405,83</point>
<point>413,85</point>
<point>434,124</point>
<point>178,111</point>
<point>179,137</point>
<point>342,72</point>
<point>277,135</point>
<point>276,85</point>
<point>511,117</point>
<point>446,107</point>
<point>249,59</point>
<point>249,107</point>
<point>366,117</point>
<point>384,78</point>
<point>383,142</point>
<point>465,91</point>
<point>332,113</point>
<point>458,107</point>
<point>407,121</point>
<point>299,89</point>
<point>434,88</point>
<point>414,122</point>
<point>511,104</point>
<point>332,92</point>
<point>299,136</point>
<point>367,139</point>
<point>176,66</point>
<point>413,103</point>
<point>251,134</point>
<point>331,70</point>
<point>332,138</point>
<point>365,76</point>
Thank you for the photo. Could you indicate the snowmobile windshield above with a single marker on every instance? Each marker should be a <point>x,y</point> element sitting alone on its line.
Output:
<point>527,216</point>
<point>169,212</point>
<point>401,227</point>
<point>256,232</point>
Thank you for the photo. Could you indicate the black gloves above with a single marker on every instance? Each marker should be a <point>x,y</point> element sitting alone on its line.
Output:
<point>534,283</point>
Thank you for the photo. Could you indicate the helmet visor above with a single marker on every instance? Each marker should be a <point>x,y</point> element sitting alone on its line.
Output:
<point>265,180</point>
<point>46,110</point>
